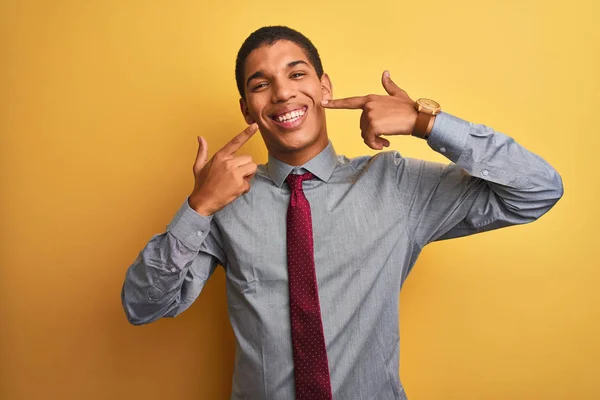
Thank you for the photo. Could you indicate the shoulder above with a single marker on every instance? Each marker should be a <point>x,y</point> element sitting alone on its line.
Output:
<point>383,159</point>
<point>392,166</point>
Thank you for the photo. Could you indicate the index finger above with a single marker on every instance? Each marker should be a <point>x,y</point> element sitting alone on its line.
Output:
<point>348,103</point>
<point>238,141</point>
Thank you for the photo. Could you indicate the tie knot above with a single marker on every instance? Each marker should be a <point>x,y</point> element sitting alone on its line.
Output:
<point>295,181</point>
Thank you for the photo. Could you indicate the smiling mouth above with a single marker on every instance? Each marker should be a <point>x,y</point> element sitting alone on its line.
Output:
<point>291,118</point>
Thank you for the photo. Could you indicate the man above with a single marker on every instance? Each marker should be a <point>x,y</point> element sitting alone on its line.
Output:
<point>316,246</point>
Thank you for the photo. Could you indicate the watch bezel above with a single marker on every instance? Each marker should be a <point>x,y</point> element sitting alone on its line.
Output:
<point>424,105</point>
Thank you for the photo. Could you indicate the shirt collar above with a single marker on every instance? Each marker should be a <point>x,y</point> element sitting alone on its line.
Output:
<point>321,165</point>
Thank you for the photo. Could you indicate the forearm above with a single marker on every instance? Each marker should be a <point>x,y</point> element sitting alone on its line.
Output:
<point>154,282</point>
<point>492,183</point>
<point>526,184</point>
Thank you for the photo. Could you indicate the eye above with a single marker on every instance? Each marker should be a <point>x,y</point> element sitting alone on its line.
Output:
<point>297,75</point>
<point>259,86</point>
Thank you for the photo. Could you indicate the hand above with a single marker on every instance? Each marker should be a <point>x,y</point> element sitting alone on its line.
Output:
<point>382,115</point>
<point>225,177</point>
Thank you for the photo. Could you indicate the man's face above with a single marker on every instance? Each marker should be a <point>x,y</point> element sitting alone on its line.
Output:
<point>283,96</point>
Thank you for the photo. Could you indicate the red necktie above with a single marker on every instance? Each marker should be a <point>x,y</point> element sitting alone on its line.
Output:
<point>311,371</point>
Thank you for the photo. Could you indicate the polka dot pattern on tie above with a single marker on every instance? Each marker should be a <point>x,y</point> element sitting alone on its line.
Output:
<point>311,371</point>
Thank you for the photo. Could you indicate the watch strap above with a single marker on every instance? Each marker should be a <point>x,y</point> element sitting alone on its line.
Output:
<point>421,125</point>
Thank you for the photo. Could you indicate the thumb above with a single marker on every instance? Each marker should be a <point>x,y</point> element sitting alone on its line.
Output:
<point>202,155</point>
<point>389,85</point>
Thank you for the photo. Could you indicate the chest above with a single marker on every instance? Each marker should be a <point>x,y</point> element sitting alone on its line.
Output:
<point>350,222</point>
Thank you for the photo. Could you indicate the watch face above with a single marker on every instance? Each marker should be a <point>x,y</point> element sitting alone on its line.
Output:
<point>428,103</point>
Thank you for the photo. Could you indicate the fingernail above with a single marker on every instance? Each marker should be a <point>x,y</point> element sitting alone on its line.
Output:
<point>324,101</point>
<point>386,73</point>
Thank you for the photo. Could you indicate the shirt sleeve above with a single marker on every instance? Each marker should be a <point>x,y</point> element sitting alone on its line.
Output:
<point>171,270</point>
<point>491,183</point>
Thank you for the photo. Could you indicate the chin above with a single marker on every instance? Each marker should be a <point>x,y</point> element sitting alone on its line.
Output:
<point>293,145</point>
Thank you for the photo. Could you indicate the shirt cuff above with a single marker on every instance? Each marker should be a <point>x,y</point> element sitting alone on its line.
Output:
<point>449,135</point>
<point>190,227</point>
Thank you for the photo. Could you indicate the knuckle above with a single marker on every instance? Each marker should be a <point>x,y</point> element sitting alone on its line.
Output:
<point>228,164</point>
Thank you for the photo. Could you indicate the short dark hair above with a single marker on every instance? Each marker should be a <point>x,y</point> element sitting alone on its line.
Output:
<point>267,36</point>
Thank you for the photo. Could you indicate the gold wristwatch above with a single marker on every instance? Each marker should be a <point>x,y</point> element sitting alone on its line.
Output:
<point>426,109</point>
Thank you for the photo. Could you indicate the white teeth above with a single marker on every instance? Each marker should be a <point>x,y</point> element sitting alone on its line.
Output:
<point>288,117</point>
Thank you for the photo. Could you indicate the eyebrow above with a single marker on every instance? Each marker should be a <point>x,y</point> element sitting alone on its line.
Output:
<point>260,74</point>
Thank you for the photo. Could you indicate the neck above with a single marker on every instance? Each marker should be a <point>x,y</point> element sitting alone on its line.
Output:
<point>302,156</point>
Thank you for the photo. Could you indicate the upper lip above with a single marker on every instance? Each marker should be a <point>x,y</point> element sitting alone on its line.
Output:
<point>286,110</point>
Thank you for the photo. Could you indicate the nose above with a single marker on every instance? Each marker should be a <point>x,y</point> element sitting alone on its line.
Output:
<point>283,90</point>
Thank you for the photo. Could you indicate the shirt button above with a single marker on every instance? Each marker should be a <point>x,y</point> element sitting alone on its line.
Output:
<point>485,172</point>
<point>443,149</point>
<point>199,233</point>
<point>173,269</point>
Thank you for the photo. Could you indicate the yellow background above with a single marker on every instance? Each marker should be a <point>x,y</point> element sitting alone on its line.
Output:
<point>100,105</point>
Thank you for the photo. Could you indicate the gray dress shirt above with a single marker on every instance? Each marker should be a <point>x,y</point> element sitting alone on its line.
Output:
<point>371,217</point>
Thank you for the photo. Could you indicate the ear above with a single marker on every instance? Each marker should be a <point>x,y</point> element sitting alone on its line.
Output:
<point>246,113</point>
<point>326,87</point>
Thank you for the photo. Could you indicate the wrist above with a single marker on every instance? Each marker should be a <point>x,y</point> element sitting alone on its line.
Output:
<point>201,207</point>
<point>427,109</point>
